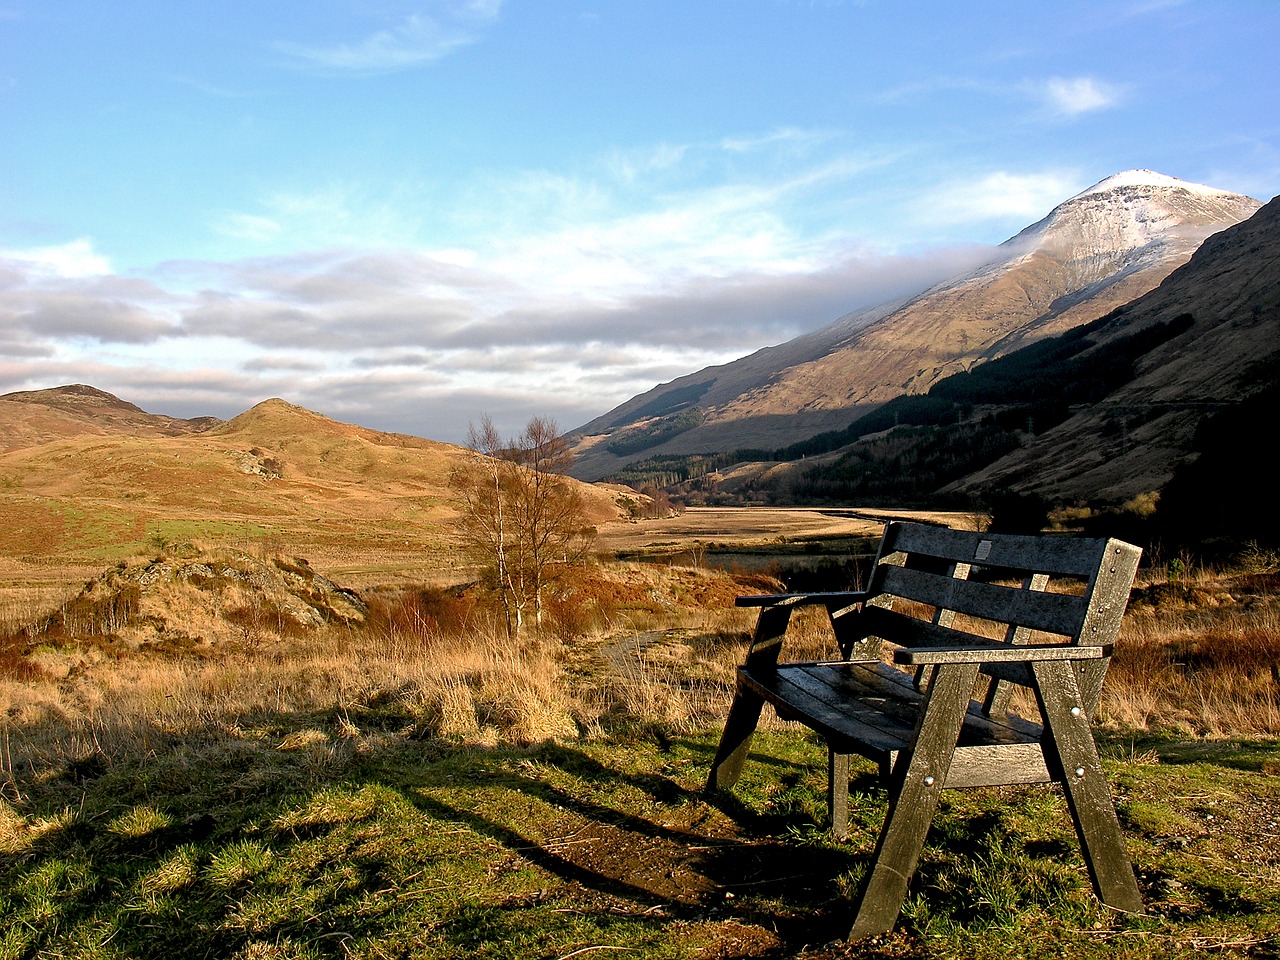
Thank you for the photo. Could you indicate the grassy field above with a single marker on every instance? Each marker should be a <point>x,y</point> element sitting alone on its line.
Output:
<point>339,836</point>
<point>233,783</point>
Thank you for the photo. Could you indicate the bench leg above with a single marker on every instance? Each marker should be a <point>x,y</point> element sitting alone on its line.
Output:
<point>1085,786</point>
<point>744,712</point>
<point>838,792</point>
<point>917,782</point>
<point>735,741</point>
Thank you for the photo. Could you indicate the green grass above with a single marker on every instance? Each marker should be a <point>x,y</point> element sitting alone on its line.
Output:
<point>244,843</point>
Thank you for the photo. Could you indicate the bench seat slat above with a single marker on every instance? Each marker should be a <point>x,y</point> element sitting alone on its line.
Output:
<point>896,690</point>
<point>858,727</point>
<point>1051,612</point>
<point>866,709</point>
<point>1057,556</point>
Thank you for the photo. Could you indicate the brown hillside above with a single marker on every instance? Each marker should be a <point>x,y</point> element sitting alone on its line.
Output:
<point>1132,441</point>
<point>1093,253</point>
<point>31,417</point>
<point>356,502</point>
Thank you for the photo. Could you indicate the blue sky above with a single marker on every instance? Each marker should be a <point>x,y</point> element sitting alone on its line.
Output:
<point>409,213</point>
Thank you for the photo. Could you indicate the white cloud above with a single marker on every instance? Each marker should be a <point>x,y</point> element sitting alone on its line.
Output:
<point>70,260</point>
<point>333,215</point>
<point>1059,97</point>
<point>790,137</point>
<point>420,38</point>
<point>379,338</point>
<point>1072,96</point>
<point>563,295</point>
<point>55,293</point>
<point>630,165</point>
<point>998,195</point>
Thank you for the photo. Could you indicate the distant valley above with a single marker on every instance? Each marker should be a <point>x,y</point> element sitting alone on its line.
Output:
<point>1112,354</point>
<point>1089,366</point>
<point>1093,253</point>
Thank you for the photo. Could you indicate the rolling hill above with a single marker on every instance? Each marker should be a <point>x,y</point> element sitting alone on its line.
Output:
<point>86,477</point>
<point>32,417</point>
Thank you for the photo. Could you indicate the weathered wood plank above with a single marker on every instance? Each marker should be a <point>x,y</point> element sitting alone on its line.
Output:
<point>1051,612</point>
<point>998,764</point>
<point>1004,653</point>
<point>842,597</point>
<point>744,712</point>
<point>1056,556</point>
<point>863,711</point>
<point>892,690</point>
<point>903,630</point>
<point>919,776</point>
<point>1088,798</point>
<point>874,732</point>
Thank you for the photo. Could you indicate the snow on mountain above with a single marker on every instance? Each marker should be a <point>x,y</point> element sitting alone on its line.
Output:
<point>1149,178</point>
<point>1158,217</point>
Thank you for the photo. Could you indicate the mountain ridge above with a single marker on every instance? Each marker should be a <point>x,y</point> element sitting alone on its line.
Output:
<point>1092,253</point>
<point>1229,290</point>
<point>1155,408</point>
<point>29,417</point>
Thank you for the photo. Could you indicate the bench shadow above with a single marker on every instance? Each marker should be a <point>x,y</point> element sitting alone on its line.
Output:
<point>701,857</point>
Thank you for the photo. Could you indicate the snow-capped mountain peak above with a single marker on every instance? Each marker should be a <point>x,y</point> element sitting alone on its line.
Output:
<point>1148,178</point>
<point>1134,218</point>
<point>1094,252</point>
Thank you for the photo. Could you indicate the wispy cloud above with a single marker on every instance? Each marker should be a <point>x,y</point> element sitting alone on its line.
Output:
<point>73,259</point>
<point>1072,96</point>
<point>631,165</point>
<point>247,226</point>
<point>1060,97</point>
<point>790,137</point>
<point>384,338</point>
<point>418,39</point>
<point>997,195</point>
<point>565,294</point>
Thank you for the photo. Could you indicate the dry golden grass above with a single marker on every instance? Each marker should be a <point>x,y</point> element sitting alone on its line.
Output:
<point>364,506</point>
<point>225,658</point>
<point>173,661</point>
<point>1199,654</point>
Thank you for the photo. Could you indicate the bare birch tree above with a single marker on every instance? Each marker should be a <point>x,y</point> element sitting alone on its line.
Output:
<point>522,518</point>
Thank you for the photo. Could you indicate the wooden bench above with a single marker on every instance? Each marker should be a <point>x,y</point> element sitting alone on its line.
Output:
<point>973,616</point>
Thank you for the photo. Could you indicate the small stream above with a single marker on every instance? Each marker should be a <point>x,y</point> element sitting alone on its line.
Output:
<point>836,563</point>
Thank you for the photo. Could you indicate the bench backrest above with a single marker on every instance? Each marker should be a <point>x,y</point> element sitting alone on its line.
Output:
<point>933,586</point>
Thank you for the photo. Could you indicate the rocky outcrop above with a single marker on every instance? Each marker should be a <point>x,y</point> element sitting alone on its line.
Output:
<point>186,598</point>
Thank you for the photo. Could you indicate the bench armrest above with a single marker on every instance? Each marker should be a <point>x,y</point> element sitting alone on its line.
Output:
<point>1002,653</point>
<point>801,599</point>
